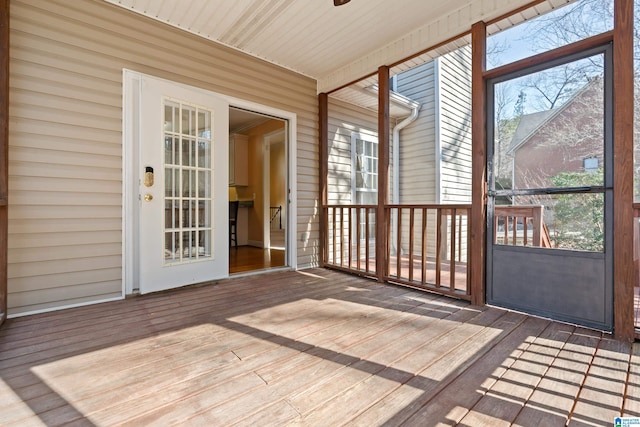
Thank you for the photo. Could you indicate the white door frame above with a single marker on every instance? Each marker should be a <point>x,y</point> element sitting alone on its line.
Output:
<point>266,182</point>
<point>131,175</point>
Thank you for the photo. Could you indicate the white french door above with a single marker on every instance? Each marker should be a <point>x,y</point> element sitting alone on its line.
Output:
<point>183,199</point>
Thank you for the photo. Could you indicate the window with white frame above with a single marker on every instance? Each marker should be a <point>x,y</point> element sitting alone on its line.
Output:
<point>364,151</point>
<point>364,160</point>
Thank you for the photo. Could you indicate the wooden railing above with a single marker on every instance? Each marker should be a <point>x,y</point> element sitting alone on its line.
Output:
<point>427,244</point>
<point>429,247</point>
<point>350,239</point>
<point>513,223</point>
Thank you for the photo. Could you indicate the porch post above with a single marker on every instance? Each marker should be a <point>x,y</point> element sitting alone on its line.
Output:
<point>479,162</point>
<point>383,172</point>
<point>623,104</point>
<point>4,152</point>
<point>323,104</point>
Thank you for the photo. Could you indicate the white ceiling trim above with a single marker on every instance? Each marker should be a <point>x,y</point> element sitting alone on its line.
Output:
<point>433,33</point>
<point>334,45</point>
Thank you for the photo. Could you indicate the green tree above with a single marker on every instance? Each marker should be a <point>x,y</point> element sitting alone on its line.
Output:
<point>579,218</point>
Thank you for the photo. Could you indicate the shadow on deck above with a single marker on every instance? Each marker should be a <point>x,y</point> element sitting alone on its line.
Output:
<point>314,347</point>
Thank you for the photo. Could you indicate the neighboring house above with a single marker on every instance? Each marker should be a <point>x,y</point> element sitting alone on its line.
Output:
<point>566,139</point>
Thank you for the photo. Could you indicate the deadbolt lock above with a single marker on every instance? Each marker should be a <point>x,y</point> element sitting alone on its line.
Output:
<point>148,197</point>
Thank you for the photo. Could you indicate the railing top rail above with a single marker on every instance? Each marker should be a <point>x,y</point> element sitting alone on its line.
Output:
<point>517,210</point>
<point>351,206</point>
<point>407,206</point>
<point>428,206</point>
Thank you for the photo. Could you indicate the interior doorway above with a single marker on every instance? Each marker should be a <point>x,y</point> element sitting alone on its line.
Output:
<point>258,180</point>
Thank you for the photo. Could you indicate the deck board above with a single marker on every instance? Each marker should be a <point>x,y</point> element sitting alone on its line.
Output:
<point>308,348</point>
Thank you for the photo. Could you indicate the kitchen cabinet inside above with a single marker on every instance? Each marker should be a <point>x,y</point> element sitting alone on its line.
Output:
<point>238,156</point>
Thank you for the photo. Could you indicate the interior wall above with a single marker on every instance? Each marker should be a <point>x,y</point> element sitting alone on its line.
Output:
<point>256,172</point>
<point>278,178</point>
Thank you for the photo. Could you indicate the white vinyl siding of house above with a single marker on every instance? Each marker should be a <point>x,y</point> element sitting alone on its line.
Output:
<point>65,188</point>
<point>344,120</point>
<point>435,150</point>
<point>417,141</point>
<point>455,126</point>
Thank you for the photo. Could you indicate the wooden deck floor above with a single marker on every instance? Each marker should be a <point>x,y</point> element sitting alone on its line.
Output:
<point>316,348</point>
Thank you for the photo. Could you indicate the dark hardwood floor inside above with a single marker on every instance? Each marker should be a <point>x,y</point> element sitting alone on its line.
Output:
<point>249,258</point>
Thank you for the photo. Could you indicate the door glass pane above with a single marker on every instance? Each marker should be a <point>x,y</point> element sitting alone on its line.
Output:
<point>171,248</point>
<point>188,120</point>
<point>171,111</point>
<point>549,128</point>
<point>170,150</point>
<point>204,153</point>
<point>187,181</point>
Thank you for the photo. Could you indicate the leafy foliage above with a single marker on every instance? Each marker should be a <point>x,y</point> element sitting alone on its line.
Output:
<point>579,218</point>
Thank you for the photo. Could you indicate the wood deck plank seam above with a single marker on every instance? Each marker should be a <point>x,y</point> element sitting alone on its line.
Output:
<point>411,374</point>
<point>314,335</point>
<point>584,380</point>
<point>390,366</point>
<point>543,375</point>
<point>151,361</point>
<point>204,311</point>
<point>631,406</point>
<point>607,403</point>
<point>527,325</point>
<point>179,296</point>
<point>422,370</point>
<point>409,409</point>
<point>361,358</point>
<point>548,331</point>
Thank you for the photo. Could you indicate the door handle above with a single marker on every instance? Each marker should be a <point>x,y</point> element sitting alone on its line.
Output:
<point>148,197</point>
<point>148,177</point>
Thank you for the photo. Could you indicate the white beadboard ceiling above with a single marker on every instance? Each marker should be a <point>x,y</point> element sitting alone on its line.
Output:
<point>334,45</point>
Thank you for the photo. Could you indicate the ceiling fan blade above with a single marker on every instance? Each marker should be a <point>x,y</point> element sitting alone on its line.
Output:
<point>340,2</point>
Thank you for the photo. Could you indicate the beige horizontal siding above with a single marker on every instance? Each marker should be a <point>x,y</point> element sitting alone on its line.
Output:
<point>65,189</point>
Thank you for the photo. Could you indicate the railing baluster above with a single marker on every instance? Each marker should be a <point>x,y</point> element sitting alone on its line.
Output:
<point>342,236</point>
<point>366,238</point>
<point>460,238</point>
<point>350,236</point>
<point>468,289</point>
<point>335,260</point>
<point>358,238</point>
<point>399,245</point>
<point>452,261</point>
<point>411,230</point>
<point>438,246</point>
<point>506,230</point>
<point>525,223</point>
<point>424,245</point>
